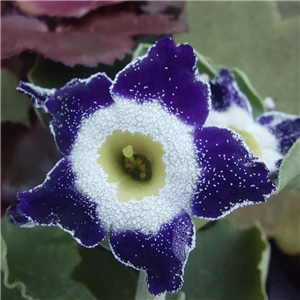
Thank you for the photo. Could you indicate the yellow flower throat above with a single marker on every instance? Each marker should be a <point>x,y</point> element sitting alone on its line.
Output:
<point>133,162</point>
<point>249,139</point>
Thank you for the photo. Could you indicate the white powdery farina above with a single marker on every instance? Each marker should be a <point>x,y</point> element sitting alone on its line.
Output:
<point>238,117</point>
<point>182,170</point>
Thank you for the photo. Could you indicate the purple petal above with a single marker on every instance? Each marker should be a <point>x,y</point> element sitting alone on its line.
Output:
<point>37,94</point>
<point>74,102</point>
<point>230,177</point>
<point>163,255</point>
<point>167,74</point>
<point>286,128</point>
<point>57,202</point>
<point>225,92</point>
<point>70,105</point>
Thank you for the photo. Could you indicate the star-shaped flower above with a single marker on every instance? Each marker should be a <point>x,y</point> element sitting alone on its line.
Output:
<point>269,137</point>
<point>138,163</point>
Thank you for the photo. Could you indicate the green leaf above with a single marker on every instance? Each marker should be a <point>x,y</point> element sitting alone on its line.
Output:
<point>199,223</point>
<point>178,296</point>
<point>204,66</point>
<point>289,171</point>
<point>247,88</point>
<point>105,243</point>
<point>227,263</point>
<point>142,292</point>
<point>279,217</point>
<point>105,277</point>
<point>38,262</point>
<point>14,105</point>
<point>50,74</point>
<point>44,118</point>
<point>140,50</point>
<point>231,34</point>
<point>10,289</point>
<point>286,234</point>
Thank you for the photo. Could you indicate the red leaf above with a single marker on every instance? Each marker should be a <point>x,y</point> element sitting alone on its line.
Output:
<point>60,8</point>
<point>130,24</point>
<point>11,133</point>
<point>87,42</point>
<point>27,155</point>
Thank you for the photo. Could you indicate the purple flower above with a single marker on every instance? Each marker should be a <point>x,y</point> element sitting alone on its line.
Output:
<point>138,163</point>
<point>269,137</point>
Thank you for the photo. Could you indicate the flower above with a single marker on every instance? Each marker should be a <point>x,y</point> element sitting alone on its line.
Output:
<point>138,164</point>
<point>270,136</point>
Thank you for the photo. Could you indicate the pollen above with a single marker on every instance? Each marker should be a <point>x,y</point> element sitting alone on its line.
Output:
<point>138,167</point>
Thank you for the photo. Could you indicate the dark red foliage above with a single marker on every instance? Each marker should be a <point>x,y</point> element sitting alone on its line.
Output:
<point>92,40</point>
<point>28,153</point>
<point>60,8</point>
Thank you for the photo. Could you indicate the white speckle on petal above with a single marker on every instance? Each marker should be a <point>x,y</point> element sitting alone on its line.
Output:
<point>182,169</point>
<point>241,119</point>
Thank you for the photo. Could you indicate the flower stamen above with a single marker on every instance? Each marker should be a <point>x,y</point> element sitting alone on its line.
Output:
<point>128,153</point>
<point>135,163</point>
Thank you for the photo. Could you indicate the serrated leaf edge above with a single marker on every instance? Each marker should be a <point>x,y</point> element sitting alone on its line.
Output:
<point>5,269</point>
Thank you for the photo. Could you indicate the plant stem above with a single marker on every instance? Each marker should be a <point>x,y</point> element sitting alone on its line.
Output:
<point>142,289</point>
